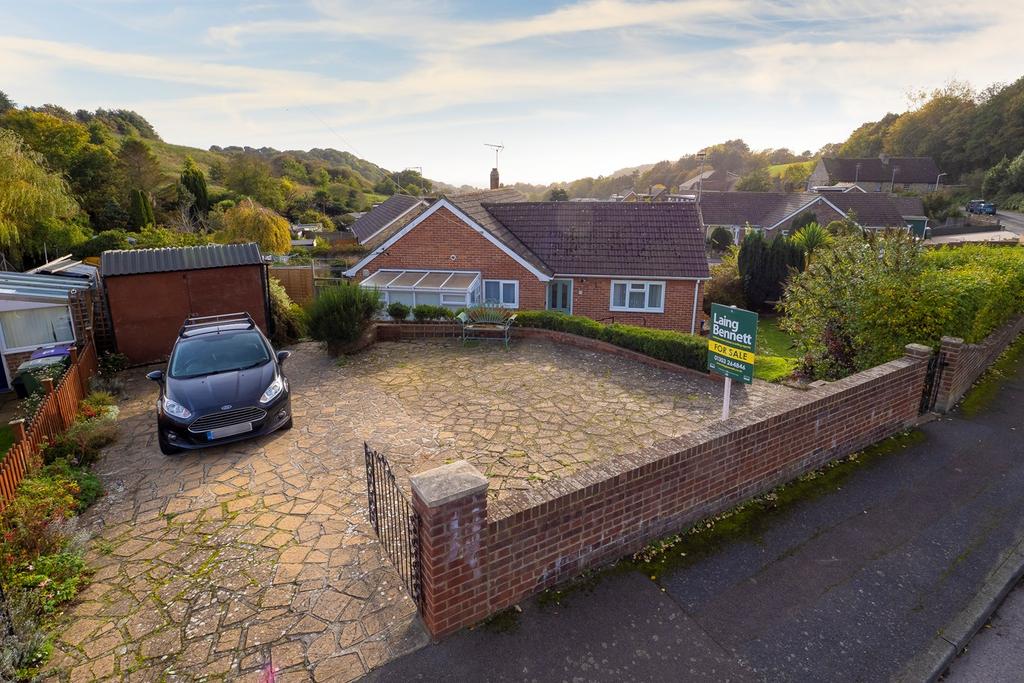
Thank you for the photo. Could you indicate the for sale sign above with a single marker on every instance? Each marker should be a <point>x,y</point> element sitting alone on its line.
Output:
<point>732,342</point>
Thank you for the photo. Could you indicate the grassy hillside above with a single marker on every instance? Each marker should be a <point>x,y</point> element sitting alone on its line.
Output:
<point>777,170</point>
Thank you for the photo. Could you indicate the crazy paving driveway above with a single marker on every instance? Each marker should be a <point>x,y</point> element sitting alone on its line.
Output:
<point>212,565</point>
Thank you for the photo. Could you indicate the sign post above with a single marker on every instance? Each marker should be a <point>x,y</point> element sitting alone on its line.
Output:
<point>732,345</point>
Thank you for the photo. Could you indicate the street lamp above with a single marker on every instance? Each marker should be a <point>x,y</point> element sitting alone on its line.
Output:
<point>892,183</point>
<point>937,179</point>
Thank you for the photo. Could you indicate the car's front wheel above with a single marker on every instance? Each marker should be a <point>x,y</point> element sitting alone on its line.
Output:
<point>165,447</point>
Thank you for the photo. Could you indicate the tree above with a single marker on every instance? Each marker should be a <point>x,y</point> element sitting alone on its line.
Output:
<point>140,166</point>
<point>765,266</point>
<point>558,194</point>
<point>758,180</point>
<point>810,238</point>
<point>249,175</point>
<point>194,181</point>
<point>995,179</point>
<point>721,238</point>
<point>141,211</point>
<point>795,176</point>
<point>5,102</point>
<point>250,222</point>
<point>31,196</point>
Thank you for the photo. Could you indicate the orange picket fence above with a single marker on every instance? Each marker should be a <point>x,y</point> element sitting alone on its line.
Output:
<point>54,415</point>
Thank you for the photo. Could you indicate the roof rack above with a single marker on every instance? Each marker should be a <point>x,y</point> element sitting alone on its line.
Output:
<point>197,322</point>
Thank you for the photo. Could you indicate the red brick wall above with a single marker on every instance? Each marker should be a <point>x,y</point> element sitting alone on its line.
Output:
<point>605,513</point>
<point>432,243</point>
<point>592,297</point>
<point>964,363</point>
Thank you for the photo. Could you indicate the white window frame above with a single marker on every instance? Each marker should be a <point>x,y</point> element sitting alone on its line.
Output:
<point>501,289</point>
<point>34,347</point>
<point>631,285</point>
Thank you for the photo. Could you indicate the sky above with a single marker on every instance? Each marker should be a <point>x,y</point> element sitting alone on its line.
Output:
<point>570,89</point>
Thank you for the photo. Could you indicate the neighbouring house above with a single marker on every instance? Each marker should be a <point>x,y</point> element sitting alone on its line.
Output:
<point>912,210</point>
<point>386,218</point>
<point>775,212</point>
<point>631,262</point>
<point>150,292</point>
<point>38,311</point>
<point>710,181</point>
<point>878,174</point>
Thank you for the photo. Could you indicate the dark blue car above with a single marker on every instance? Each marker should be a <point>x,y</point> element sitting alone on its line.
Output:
<point>223,383</point>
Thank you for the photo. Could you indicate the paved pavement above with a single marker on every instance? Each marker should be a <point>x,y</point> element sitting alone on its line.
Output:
<point>847,586</point>
<point>996,654</point>
<point>213,563</point>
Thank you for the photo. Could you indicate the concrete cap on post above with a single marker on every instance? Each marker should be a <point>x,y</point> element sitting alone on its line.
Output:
<point>449,482</point>
<point>18,428</point>
<point>918,351</point>
<point>951,341</point>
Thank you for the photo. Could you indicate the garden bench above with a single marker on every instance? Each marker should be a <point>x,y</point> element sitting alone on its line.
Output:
<point>484,321</point>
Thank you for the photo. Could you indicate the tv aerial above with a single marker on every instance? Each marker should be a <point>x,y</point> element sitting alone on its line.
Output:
<point>497,149</point>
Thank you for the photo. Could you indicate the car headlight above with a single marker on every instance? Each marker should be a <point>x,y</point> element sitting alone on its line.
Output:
<point>273,391</point>
<point>175,409</point>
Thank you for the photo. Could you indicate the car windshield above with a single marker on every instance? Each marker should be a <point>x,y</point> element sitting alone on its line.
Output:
<point>209,354</point>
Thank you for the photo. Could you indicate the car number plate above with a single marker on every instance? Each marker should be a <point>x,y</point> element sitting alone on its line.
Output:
<point>230,430</point>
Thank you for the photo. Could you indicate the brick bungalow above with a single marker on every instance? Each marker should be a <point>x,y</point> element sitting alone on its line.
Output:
<point>774,212</point>
<point>636,263</point>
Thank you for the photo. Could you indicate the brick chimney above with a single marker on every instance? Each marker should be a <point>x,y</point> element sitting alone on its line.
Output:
<point>494,178</point>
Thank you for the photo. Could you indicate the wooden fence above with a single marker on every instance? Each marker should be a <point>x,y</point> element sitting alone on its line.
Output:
<point>296,280</point>
<point>54,415</point>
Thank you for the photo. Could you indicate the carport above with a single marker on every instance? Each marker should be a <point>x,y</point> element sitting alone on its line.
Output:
<point>151,291</point>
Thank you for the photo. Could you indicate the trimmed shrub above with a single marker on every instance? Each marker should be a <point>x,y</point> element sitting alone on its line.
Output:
<point>340,314</point>
<point>721,238</point>
<point>398,311</point>
<point>687,350</point>
<point>427,312</point>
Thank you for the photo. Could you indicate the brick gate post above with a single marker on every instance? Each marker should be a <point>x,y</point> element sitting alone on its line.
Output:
<point>452,503</point>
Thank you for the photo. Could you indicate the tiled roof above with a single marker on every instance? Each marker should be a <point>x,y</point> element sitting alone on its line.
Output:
<point>609,238</point>
<point>872,209</point>
<point>471,204</point>
<point>396,225</point>
<point>874,170</point>
<point>135,261</point>
<point>909,206</point>
<point>382,215</point>
<point>759,209</point>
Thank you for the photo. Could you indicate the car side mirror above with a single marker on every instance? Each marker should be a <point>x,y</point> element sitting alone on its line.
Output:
<point>156,375</point>
<point>282,356</point>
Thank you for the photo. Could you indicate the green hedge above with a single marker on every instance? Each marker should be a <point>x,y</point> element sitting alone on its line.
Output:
<point>687,350</point>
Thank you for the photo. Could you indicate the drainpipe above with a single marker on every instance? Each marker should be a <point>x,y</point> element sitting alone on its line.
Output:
<point>693,316</point>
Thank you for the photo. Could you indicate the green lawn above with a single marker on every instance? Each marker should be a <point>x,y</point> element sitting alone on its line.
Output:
<point>776,170</point>
<point>777,357</point>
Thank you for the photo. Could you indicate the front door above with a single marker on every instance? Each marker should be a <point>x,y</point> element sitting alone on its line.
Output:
<point>560,296</point>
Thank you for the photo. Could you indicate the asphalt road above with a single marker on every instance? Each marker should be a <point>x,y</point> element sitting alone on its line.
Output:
<point>1013,221</point>
<point>846,586</point>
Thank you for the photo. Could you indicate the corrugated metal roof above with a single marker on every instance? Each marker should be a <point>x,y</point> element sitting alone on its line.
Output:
<point>35,287</point>
<point>169,259</point>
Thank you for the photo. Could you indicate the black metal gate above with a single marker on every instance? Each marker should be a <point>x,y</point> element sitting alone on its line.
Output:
<point>396,522</point>
<point>932,380</point>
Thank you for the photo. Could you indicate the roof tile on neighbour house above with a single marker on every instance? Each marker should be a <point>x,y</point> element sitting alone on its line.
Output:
<point>382,216</point>
<point>909,206</point>
<point>135,261</point>
<point>759,209</point>
<point>871,209</point>
<point>662,239</point>
<point>874,170</point>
